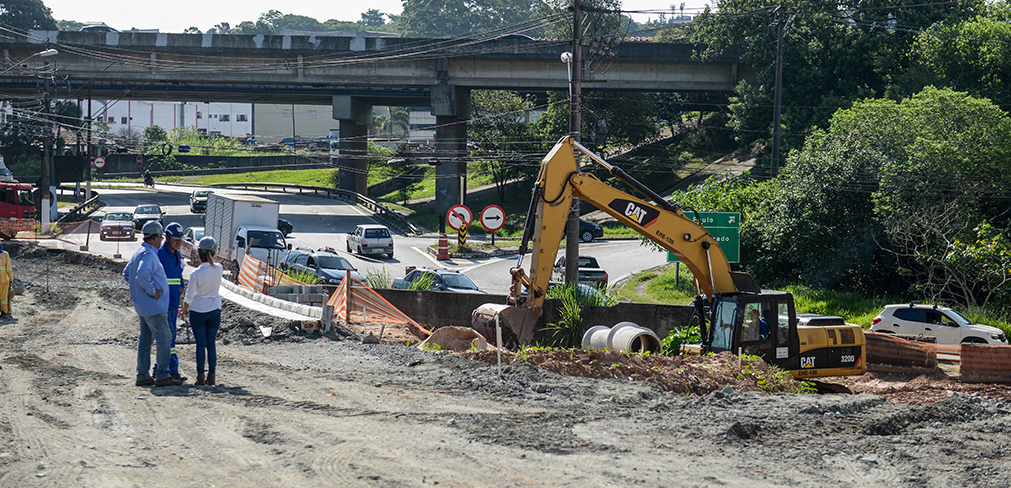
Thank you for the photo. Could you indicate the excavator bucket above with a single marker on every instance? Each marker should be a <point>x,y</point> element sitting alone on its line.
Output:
<point>517,323</point>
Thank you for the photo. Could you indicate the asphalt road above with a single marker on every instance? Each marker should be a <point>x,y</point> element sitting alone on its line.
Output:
<point>320,222</point>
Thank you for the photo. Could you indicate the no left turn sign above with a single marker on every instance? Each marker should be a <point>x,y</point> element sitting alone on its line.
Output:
<point>459,217</point>
<point>492,218</point>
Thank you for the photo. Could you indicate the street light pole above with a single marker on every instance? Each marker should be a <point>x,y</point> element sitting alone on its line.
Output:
<point>46,157</point>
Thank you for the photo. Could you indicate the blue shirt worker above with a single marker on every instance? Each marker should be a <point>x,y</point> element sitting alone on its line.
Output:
<point>172,260</point>
<point>149,292</point>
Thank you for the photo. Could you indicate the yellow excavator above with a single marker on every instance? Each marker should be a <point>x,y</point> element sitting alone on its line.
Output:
<point>741,316</point>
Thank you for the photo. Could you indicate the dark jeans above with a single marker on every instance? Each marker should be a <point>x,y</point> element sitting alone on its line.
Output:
<point>205,330</point>
<point>173,366</point>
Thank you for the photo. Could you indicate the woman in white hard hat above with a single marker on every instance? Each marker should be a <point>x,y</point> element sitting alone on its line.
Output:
<point>203,303</point>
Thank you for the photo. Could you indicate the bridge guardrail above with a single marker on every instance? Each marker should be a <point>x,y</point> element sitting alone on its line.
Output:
<point>405,226</point>
<point>86,207</point>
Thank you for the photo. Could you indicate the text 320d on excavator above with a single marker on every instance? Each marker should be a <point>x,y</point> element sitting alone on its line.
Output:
<point>741,316</point>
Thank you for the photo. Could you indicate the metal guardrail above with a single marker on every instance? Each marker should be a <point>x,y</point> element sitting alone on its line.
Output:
<point>87,206</point>
<point>405,226</point>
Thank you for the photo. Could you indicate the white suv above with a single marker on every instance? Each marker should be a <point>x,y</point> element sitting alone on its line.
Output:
<point>947,325</point>
<point>371,239</point>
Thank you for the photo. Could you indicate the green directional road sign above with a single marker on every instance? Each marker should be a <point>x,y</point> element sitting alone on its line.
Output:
<point>725,227</point>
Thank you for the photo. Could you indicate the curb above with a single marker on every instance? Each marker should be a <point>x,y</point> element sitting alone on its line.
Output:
<point>314,312</point>
<point>475,255</point>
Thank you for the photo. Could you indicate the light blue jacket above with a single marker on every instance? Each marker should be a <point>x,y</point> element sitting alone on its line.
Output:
<point>146,275</point>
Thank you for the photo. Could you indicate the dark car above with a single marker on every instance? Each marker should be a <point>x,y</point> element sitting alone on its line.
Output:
<point>145,213</point>
<point>284,226</point>
<point>325,264</point>
<point>442,280</point>
<point>589,231</point>
<point>589,271</point>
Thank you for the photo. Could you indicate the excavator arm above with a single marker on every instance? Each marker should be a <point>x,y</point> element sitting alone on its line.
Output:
<point>560,180</point>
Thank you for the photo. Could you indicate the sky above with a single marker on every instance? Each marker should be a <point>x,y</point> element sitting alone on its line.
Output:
<point>177,15</point>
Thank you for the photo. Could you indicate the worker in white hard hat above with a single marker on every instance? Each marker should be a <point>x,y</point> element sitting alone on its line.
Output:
<point>203,303</point>
<point>149,291</point>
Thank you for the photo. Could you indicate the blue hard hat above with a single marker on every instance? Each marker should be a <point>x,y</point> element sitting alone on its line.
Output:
<point>207,243</point>
<point>175,229</point>
<point>152,228</point>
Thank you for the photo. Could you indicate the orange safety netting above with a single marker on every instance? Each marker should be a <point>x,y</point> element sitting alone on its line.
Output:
<point>259,276</point>
<point>353,294</point>
<point>10,227</point>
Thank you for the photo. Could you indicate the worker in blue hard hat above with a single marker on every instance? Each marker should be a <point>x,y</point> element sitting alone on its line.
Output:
<point>149,291</point>
<point>173,262</point>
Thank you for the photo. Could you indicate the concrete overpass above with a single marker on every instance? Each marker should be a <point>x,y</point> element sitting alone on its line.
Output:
<point>350,73</point>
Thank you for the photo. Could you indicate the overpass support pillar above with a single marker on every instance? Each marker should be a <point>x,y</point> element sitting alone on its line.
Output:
<point>451,108</point>
<point>354,118</point>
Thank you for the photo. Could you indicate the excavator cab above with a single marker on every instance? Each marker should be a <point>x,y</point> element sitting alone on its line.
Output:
<point>765,324</point>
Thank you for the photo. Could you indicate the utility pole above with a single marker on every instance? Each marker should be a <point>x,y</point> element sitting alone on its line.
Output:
<point>575,121</point>
<point>46,159</point>
<point>778,103</point>
<point>91,154</point>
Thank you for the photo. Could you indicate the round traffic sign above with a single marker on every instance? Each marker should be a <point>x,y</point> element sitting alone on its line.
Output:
<point>459,217</point>
<point>492,218</point>
<point>99,162</point>
<point>140,161</point>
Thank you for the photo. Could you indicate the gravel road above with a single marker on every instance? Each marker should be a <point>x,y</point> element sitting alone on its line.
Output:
<point>304,411</point>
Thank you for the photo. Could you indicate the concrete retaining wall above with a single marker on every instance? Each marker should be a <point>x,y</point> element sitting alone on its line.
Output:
<point>985,364</point>
<point>440,309</point>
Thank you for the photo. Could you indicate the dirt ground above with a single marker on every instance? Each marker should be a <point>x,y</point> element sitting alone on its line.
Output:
<point>297,410</point>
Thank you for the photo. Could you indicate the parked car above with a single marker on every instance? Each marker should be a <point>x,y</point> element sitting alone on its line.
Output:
<point>193,234</point>
<point>589,231</point>
<point>147,212</point>
<point>325,264</point>
<point>117,225</point>
<point>284,226</point>
<point>589,271</point>
<point>371,239</point>
<point>198,200</point>
<point>947,325</point>
<point>442,280</point>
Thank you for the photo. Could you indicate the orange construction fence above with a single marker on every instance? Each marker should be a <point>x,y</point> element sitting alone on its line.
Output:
<point>983,363</point>
<point>353,295</point>
<point>259,276</point>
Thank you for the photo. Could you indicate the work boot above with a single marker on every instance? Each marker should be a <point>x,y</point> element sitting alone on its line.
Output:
<point>149,381</point>
<point>200,379</point>
<point>170,381</point>
<point>210,379</point>
<point>179,377</point>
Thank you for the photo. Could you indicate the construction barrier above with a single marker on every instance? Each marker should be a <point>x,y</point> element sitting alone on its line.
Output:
<point>888,349</point>
<point>985,364</point>
<point>259,276</point>
<point>9,228</point>
<point>354,295</point>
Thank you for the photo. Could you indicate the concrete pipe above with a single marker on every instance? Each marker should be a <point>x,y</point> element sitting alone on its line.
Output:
<point>630,337</point>
<point>595,338</point>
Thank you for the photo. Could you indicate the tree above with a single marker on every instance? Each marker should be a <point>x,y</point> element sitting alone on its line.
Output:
<point>463,18</point>
<point>69,25</point>
<point>501,135</point>
<point>192,30</point>
<point>868,196</point>
<point>220,28</point>
<point>153,136</point>
<point>832,55</point>
<point>974,56</point>
<point>26,15</point>
<point>373,18</point>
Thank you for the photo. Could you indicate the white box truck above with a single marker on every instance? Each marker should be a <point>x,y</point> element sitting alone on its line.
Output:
<point>245,224</point>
